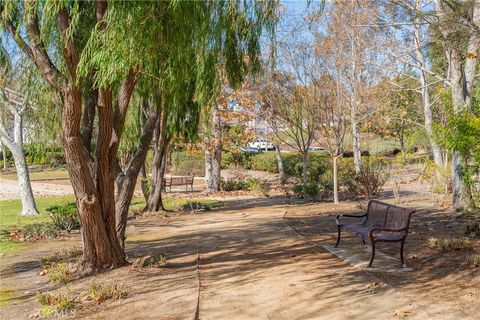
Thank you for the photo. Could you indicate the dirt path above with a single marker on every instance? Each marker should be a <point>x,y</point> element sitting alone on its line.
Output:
<point>9,189</point>
<point>253,266</point>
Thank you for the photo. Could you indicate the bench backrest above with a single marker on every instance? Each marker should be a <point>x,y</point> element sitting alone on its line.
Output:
<point>178,180</point>
<point>384,215</point>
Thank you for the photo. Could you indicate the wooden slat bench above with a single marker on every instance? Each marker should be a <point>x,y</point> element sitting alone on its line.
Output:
<point>178,181</point>
<point>382,222</point>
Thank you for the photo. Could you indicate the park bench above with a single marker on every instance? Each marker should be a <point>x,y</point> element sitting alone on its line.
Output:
<point>382,222</point>
<point>178,181</point>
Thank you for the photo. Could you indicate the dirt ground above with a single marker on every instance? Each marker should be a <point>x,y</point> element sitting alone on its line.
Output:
<point>245,260</point>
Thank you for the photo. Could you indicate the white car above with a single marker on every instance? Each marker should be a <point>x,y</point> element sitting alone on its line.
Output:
<point>261,144</point>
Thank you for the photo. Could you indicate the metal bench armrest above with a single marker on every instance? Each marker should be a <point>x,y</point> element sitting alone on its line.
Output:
<point>349,216</point>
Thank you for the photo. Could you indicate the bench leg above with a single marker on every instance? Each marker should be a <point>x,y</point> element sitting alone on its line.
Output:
<point>373,255</point>
<point>338,236</point>
<point>401,254</point>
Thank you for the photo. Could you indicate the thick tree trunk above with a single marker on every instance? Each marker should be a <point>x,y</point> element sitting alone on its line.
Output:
<point>281,170</point>
<point>335,180</point>
<point>101,248</point>
<point>304,167</point>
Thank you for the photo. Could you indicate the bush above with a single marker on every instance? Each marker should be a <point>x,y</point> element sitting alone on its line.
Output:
<point>369,181</point>
<point>475,260</point>
<point>307,190</point>
<point>235,159</point>
<point>35,231</point>
<point>184,163</point>
<point>472,230</point>
<point>258,186</point>
<point>59,301</point>
<point>316,166</point>
<point>233,185</point>
<point>190,206</point>
<point>103,292</point>
<point>449,244</point>
<point>266,161</point>
<point>65,216</point>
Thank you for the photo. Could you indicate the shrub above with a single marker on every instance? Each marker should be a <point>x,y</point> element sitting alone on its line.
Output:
<point>233,185</point>
<point>35,231</point>
<point>66,254</point>
<point>475,260</point>
<point>449,244</point>
<point>59,273</point>
<point>190,206</point>
<point>59,301</point>
<point>316,166</point>
<point>472,230</point>
<point>235,159</point>
<point>64,217</point>
<point>194,167</point>
<point>325,181</point>
<point>266,161</point>
<point>369,181</point>
<point>307,190</point>
<point>102,292</point>
<point>258,186</point>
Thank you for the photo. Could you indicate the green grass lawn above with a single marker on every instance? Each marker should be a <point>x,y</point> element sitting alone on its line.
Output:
<point>10,219</point>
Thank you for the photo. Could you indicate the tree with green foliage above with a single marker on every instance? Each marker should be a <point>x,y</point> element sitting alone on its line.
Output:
<point>92,66</point>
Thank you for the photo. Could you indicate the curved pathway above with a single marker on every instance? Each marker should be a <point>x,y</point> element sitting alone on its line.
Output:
<point>252,266</point>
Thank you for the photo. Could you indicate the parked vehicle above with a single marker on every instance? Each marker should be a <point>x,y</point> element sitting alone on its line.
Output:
<point>261,144</point>
<point>316,149</point>
<point>250,150</point>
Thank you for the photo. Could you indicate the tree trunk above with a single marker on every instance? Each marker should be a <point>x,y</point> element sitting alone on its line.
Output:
<point>16,148</point>
<point>208,168</point>
<point>304,160</point>
<point>155,202</point>
<point>281,171</point>
<point>357,150</point>
<point>101,248</point>
<point>335,180</point>
<point>214,156</point>
<point>144,183</point>
<point>26,193</point>
<point>461,198</point>
<point>4,156</point>
<point>427,108</point>
<point>127,180</point>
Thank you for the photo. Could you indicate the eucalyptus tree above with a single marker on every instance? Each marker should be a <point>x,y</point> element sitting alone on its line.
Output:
<point>459,28</point>
<point>92,65</point>
<point>13,108</point>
